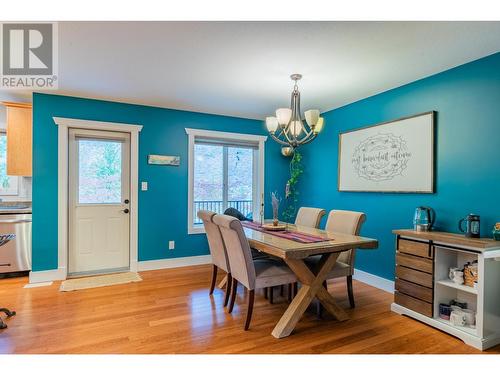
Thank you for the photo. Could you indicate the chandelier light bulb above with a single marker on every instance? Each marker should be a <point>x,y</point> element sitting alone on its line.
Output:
<point>312,117</point>
<point>319,125</point>
<point>271,124</point>
<point>283,115</point>
<point>296,128</point>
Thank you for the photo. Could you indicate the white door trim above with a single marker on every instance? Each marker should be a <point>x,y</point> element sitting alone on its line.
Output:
<point>62,169</point>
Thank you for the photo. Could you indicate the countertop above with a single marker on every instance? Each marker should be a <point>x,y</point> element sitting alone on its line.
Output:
<point>482,244</point>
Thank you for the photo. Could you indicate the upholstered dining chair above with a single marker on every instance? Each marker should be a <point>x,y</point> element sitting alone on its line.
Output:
<point>306,217</point>
<point>348,222</point>
<point>309,217</point>
<point>253,274</point>
<point>217,251</point>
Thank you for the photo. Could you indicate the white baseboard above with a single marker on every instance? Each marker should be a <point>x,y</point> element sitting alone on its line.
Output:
<point>158,264</point>
<point>49,275</point>
<point>38,285</point>
<point>148,265</point>
<point>374,280</point>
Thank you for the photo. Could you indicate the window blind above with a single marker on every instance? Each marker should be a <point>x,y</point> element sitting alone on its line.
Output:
<point>226,142</point>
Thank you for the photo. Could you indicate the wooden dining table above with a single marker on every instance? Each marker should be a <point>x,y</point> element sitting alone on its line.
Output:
<point>294,253</point>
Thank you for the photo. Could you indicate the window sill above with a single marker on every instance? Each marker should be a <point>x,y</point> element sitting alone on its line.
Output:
<point>196,229</point>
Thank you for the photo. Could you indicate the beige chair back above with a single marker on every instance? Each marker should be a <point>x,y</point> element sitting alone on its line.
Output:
<point>348,222</point>
<point>309,217</point>
<point>215,241</point>
<point>238,250</point>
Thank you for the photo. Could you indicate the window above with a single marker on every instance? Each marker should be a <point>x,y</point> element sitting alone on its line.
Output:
<point>8,184</point>
<point>99,171</point>
<point>225,170</point>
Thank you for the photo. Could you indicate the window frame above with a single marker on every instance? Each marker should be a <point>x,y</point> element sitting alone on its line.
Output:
<point>238,138</point>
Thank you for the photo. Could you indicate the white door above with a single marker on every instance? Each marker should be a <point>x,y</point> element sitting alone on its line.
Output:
<point>99,201</point>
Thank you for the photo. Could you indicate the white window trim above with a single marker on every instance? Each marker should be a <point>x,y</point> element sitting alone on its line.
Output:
<point>200,133</point>
<point>64,124</point>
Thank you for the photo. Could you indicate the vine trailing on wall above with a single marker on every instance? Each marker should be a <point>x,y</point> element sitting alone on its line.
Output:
<point>291,192</point>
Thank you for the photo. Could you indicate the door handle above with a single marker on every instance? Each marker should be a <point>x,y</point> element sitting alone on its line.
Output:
<point>126,210</point>
<point>126,201</point>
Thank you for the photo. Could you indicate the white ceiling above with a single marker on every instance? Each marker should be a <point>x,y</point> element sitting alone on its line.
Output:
<point>243,68</point>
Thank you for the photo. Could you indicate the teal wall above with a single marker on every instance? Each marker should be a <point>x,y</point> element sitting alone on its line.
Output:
<point>467,101</point>
<point>163,208</point>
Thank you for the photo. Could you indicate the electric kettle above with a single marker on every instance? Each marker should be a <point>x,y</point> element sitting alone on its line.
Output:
<point>424,219</point>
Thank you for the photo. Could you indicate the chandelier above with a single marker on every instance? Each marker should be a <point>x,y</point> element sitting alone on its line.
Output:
<point>288,128</point>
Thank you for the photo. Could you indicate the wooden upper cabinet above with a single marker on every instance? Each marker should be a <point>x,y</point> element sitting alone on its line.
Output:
<point>19,139</point>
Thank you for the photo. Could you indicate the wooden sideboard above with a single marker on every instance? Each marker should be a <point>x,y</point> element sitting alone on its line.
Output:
<point>423,260</point>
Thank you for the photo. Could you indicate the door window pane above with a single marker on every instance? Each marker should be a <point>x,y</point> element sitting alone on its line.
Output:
<point>99,171</point>
<point>240,179</point>
<point>208,178</point>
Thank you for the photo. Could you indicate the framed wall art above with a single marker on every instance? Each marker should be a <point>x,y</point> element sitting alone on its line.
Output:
<point>164,160</point>
<point>394,156</point>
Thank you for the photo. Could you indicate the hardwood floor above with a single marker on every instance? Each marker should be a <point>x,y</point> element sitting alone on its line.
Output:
<point>170,311</point>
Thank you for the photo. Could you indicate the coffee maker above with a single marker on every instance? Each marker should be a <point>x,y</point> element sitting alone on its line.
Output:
<point>472,226</point>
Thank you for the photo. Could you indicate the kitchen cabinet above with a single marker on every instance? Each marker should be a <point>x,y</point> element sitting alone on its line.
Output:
<point>19,139</point>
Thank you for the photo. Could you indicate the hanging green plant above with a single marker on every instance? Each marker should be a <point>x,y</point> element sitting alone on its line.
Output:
<point>291,192</point>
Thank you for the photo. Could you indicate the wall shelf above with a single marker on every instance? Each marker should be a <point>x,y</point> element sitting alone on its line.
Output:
<point>462,287</point>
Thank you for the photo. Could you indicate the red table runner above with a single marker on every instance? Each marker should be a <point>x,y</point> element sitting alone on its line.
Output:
<point>289,235</point>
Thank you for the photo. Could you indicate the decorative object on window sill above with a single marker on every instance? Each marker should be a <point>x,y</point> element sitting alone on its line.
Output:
<point>291,192</point>
<point>496,232</point>
<point>288,128</point>
<point>164,160</point>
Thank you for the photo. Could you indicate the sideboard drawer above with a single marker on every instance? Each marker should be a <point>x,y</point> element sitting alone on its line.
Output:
<point>414,290</point>
<point>417,263</point>
<point>414,304</point>
<point>421,249</point>
<point>414,276</point>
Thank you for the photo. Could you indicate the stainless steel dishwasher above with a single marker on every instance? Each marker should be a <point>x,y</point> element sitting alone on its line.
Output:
<point>15,256</point>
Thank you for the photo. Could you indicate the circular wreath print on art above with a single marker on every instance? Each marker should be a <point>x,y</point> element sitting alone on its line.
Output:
<point>381,157</point>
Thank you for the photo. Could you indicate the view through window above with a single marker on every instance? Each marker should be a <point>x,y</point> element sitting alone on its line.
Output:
<point>8,184</point>
<point>99,172</point>
<point>223,177</point>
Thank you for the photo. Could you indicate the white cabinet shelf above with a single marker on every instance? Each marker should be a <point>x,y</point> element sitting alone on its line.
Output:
<point>466,329</point>
<point>462,287</point>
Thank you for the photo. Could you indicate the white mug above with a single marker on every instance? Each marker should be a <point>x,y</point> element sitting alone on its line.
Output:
<point>451,272</point>
<point>458,277</point>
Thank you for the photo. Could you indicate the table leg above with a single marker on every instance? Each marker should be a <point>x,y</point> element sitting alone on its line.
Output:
<point>312,286</point>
